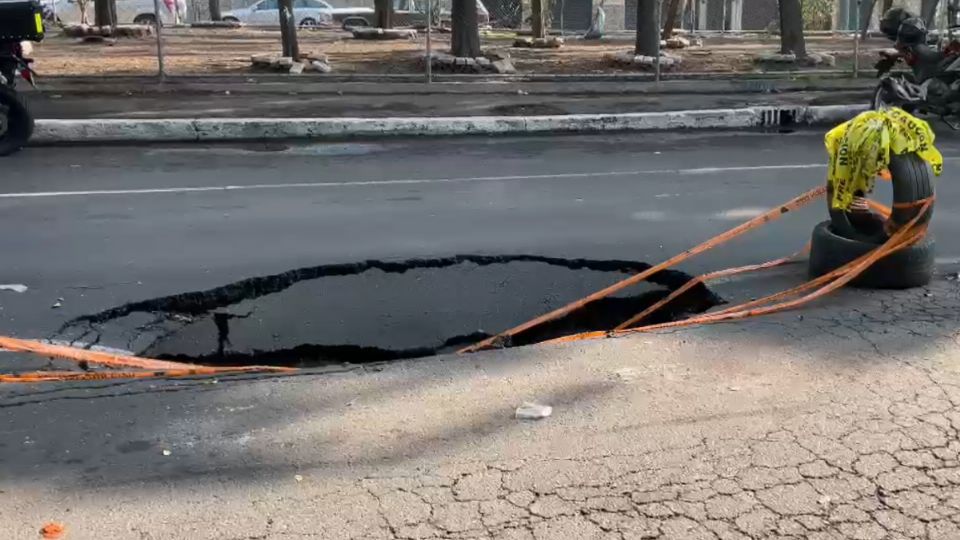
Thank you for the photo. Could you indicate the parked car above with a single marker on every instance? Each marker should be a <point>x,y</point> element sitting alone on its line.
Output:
<point>405,13</point>
<point>307,13</point>
<point>128,12</point>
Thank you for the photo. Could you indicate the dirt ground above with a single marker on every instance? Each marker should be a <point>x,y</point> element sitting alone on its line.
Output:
<point>215,51</point>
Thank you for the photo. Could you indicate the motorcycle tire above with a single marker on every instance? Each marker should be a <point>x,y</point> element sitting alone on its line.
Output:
<point>879,101</point>
<point>19,122</point>
<point>910,267</point>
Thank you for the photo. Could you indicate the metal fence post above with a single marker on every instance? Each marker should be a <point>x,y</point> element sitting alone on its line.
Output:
<point>429,43</point>
<point>656,59</point>
<point>856,41</point>
<point>161,72</point>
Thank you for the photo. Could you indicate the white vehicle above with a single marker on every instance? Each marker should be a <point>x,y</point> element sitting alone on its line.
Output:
<point>128,12</point>
<point>306,13</point>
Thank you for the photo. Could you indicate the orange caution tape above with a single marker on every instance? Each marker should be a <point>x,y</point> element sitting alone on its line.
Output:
<point>50,376</point>
<point>750,225</point>
<point>906,236</point>
<point>703,279</point>
<point>154,368</point>
<point>83,355</point>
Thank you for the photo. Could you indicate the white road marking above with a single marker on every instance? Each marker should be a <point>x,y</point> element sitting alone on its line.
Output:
<point>400,182</point>
<point>746,212</point>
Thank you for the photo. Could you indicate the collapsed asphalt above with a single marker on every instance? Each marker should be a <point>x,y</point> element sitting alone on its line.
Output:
<point>104,228</point>
<point>376,310</point>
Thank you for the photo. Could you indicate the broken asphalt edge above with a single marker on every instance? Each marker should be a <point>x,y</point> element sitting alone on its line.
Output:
<point>246,129</point>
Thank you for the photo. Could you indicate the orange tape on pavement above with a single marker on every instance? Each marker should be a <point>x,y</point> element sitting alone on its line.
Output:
<point>64,352</point>
<point>152,368</point>
<point>763,219</point>
<point>703,279</point>
<point>906,236</point>
<point>62,376</point>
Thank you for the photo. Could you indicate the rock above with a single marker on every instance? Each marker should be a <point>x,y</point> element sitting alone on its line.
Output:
<point>778,58</point>
<point>483,61</point>
<point>284,62</point>
<point>504,66</point>
<point>296,68</point>
<point>262,60</point>
<point>318,57</point>
<point>829,59</point>
<point>628,58</point>
<point>539,43</point>
<point>677,42</point>
<point>460,61</point>
<point>320,67</point>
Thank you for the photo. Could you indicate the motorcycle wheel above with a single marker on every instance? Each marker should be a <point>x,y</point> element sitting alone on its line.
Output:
<point>16,122</point>
<point>881,100</point>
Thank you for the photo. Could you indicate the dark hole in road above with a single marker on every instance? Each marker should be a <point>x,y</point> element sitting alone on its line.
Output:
<point>377,310</point>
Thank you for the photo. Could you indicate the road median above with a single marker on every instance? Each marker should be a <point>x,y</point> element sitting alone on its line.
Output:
<point>53,131</point>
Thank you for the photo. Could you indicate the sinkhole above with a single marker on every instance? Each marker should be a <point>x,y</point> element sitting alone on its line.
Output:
<point>379,310</point>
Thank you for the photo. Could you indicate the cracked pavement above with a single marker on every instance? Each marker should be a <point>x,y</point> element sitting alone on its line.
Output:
<point>831,422</point>
<point>836,425</point>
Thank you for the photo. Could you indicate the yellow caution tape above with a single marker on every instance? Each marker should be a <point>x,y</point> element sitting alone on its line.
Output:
<point>860,149</point>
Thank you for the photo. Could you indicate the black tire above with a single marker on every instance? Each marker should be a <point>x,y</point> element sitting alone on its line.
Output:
<point>19,122</point>
<point>904,269</point>
<point>309,23</point>
<point>231,20</point>
<point>912,180</point>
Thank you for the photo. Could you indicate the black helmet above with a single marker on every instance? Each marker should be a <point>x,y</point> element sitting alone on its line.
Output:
<point>891,21</point>
<point>913,31</point>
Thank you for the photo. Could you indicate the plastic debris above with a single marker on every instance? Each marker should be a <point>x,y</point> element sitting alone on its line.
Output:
<point>298,478</point>
<point>58,304</point>
<point>14,287</point>
<point>533,411</point>
<point>52,530</point>
<point>167,452</point>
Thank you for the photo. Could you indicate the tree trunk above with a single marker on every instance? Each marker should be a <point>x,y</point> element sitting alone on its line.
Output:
<point>215,10</point>
<point>648,28</point>
<point>928,11</point>
<point>887,4</point>
<point>791,29</point>
<point>383,13</point>
<point>105,12</point>
<point>288,30</point>
<point>866,13</point>
<point>465,41</point>
<point>537,19</point>
<point>673,10</point>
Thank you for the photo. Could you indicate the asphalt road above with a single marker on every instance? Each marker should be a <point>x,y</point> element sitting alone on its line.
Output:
<point>93,228</point>
<point>837,420</point>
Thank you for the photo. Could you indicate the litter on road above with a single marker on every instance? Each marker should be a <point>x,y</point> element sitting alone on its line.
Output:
<point>533,411</point>
<point>14,287</point>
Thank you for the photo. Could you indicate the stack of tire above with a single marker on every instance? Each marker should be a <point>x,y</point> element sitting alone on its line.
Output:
<point>838,241</point>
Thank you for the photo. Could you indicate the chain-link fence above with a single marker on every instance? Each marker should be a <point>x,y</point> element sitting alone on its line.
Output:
<point>723,36</point>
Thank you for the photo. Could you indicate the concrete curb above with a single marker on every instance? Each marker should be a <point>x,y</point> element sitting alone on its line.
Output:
<point>241,129</point>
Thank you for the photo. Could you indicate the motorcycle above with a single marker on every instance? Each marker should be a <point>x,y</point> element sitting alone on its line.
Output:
<point>933,84</point>
<point>20,23</point>
<point>16,122</point>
